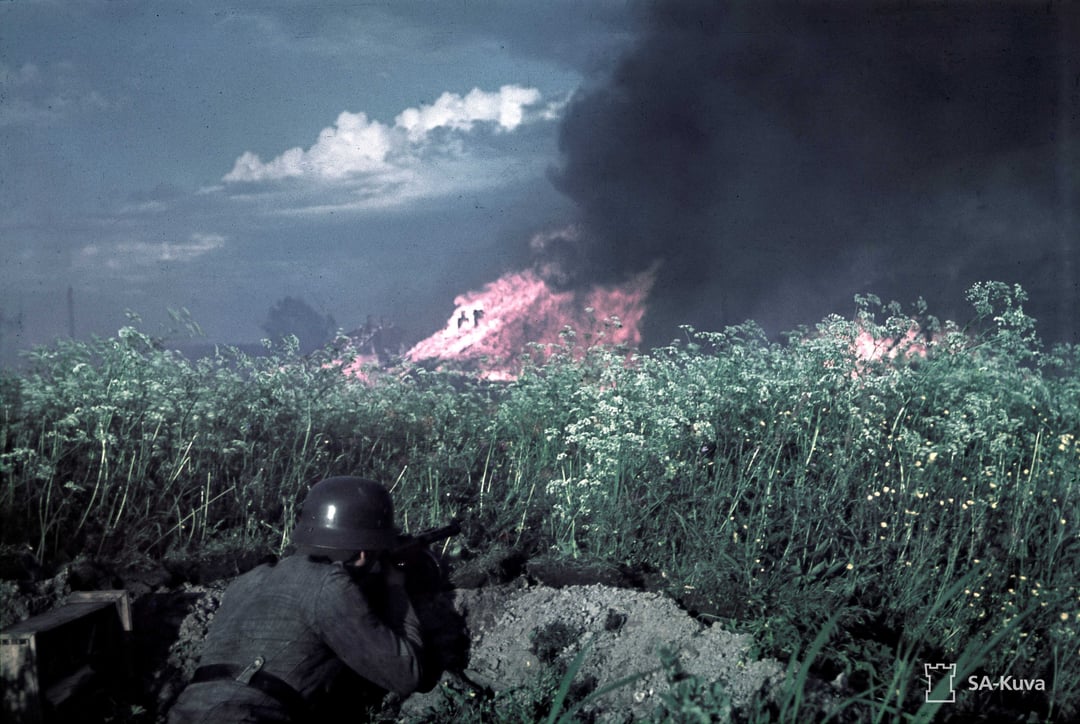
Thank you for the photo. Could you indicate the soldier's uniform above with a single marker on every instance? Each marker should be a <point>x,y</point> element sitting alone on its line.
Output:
<point>285,630</point>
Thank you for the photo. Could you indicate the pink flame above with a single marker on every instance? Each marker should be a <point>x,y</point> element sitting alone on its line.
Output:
<point>492,328</point>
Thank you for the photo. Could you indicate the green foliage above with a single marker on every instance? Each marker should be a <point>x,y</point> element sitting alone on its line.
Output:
<point>688,699</point>
<point>769,485</point>
<point>120,442</point>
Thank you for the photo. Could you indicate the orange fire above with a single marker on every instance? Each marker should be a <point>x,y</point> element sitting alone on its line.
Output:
<point>492,328</point>
<point>869,348</point>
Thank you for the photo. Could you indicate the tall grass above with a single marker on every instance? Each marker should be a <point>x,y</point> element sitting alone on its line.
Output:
<point>770,485</point>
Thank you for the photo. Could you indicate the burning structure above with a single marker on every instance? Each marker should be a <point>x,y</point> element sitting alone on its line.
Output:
<point>521,313</point>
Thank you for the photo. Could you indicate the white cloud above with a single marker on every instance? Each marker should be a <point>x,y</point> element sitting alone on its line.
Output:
<point>353,145</point>
<point>357,148</point>
<point>27,74</point>
<point>506,108</point>
<point>123,254</point>
<point>31,95</point>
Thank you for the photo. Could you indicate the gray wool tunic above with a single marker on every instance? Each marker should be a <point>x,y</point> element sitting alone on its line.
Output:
<point>305,618</point>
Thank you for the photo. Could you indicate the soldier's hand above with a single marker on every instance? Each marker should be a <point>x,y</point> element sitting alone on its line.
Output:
<point>393,574</point>
<point>424,571</point>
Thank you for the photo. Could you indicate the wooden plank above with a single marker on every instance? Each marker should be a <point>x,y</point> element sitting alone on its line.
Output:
<point>22,694</point>
<point>54,619</point>
<point>79,604</point>
<point>120,598</point>
<point>62,690</point>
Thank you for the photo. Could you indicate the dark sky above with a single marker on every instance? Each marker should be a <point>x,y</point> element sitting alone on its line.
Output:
<point>380,158</point>
<point>778,159</point>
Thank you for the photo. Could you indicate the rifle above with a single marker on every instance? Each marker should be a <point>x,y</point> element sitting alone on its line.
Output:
<point>427,537</point>
<point>424,570</point>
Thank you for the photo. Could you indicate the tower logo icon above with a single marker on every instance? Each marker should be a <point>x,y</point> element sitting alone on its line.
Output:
<point>935,674</point>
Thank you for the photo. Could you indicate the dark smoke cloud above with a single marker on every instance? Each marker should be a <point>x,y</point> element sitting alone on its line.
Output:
<point>779,158</point>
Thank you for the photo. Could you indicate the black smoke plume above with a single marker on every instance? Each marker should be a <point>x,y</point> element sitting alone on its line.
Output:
<point>776,159</point>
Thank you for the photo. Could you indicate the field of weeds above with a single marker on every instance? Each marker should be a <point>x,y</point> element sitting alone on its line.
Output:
<point>860,517</point>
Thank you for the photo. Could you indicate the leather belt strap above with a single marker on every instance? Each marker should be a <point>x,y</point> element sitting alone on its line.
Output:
<point>268,684</point>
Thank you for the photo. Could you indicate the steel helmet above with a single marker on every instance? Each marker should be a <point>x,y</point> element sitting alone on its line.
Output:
<point>347,514</point>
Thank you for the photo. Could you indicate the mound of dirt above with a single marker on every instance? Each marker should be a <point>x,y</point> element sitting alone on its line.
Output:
<point>518,633</point>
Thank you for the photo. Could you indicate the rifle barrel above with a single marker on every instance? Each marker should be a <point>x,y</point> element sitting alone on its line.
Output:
<point>428,537</point>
